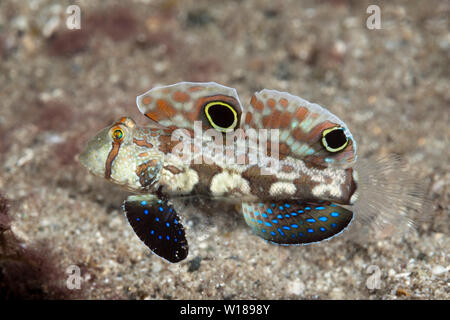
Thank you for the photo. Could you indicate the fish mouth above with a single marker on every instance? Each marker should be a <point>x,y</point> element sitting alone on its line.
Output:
<point>82,158</point>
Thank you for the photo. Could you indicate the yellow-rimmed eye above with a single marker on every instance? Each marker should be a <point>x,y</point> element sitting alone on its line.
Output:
<point>221,115</point>
<point>334,139</point>
<point>117,134</point>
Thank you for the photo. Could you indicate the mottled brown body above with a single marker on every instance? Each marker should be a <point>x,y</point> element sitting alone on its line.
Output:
<point>290,192</point>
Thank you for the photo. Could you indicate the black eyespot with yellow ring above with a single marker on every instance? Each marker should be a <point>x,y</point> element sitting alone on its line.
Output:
<point>221,116</point>
<point>117,134</point>
<point>334,139</point>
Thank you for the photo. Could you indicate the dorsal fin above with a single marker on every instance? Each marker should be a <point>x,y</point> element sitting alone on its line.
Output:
<point>183,103</point>
<point>302,127</point>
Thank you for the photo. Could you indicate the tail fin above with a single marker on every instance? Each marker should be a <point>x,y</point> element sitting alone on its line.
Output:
<point>388,195</point>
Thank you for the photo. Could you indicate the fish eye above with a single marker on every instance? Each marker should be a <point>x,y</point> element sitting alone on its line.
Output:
<point>221,115</point>
<point>117,134</point>
<point>334,139</point>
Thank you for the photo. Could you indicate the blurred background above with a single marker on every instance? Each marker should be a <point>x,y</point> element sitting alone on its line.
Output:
<point>58,87</point>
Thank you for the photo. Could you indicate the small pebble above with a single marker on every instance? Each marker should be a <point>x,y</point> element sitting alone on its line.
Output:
<point>438,270</point>
<point>337,294</point>
<point>402,292</point>
<point>51,26</point>
<point>156,267</point>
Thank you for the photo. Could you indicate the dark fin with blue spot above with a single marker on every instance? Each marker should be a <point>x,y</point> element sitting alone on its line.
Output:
<point>157,224</point>
<point>295,222</point>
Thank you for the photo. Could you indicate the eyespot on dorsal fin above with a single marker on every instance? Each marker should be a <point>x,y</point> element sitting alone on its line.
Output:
<point>183,103</point>
<point>307,130</point>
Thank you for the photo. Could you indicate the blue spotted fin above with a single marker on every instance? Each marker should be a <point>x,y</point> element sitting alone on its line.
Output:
<point>296,222</point>
<point>158,226</point>
<point>307,130</point>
